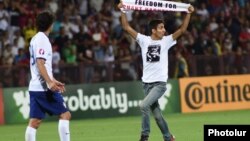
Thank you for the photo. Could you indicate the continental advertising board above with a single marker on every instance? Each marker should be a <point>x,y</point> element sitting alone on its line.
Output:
<point>220,93</point>
<point>93,101</point>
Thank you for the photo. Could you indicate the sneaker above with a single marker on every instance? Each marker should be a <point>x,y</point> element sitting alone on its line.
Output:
<point>172,138</point>
<point>144,138</point>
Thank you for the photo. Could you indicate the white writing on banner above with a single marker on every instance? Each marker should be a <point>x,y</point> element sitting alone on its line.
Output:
<point>105,99</point>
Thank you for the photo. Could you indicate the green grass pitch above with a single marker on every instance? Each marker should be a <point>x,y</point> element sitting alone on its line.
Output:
<point>186,127</point>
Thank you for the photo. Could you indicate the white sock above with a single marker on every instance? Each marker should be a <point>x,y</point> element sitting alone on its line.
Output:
<point>30,134</point>
<point>63,129</point>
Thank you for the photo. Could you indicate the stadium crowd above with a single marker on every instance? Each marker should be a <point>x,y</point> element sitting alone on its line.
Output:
<point>89,32</point>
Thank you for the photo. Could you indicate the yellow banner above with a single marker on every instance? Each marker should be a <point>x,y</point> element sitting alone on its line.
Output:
<point>201,94</point>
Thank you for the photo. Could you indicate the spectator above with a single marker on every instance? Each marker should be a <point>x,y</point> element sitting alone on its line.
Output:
<point>60,41</point>
<point>244,36</point>
<point>69,52</point>
<point>29,31</point>
<point>21,58</point>
<point>124,69</point>
<point>203,12</point>
<point>14,14</point>
<point>56,59</point>
<point>4,17</point>
<point>14,48</point>
<point>96,5</point>
<point>8,55</point>
<point>109,59</point>
<point>84,8</point>
<point>20,39</point>
<point>86,56</point>
<point>181,69</point>
<point>53,6</point>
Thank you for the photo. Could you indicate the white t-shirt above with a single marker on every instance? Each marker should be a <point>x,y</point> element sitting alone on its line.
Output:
<point>155,57</point>
<point>40,47</point>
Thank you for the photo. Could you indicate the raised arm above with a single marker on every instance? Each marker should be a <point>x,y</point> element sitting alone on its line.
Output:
<point>184,25</point>
<point>126,25</point>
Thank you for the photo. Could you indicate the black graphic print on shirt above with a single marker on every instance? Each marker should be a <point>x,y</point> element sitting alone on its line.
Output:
<point>153,54</point>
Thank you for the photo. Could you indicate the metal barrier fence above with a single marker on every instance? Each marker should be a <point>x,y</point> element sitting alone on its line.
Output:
<point>19,76</point>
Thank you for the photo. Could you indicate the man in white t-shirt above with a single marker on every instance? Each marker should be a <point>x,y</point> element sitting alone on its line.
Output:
<point>45,91</point>
<point>154,50</point>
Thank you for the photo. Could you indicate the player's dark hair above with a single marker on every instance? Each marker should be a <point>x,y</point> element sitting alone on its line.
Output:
<point>44,20</point>
<point>154,23</point>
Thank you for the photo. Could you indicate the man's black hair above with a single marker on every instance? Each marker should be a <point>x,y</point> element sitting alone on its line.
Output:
<point>44,20</point>
<point>116,2</point>
<point>154,23</point>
